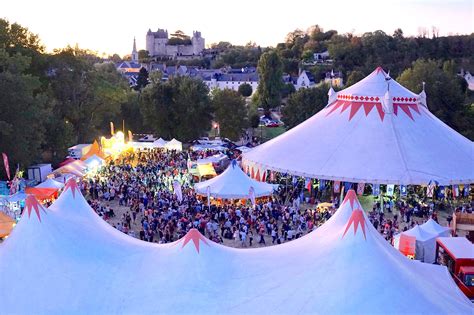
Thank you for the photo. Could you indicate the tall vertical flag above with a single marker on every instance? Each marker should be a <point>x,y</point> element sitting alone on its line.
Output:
<point>441,192</point>
<point>337,186</point>
<point>307,184</point>
<point>130,136</point>
<point>177,190</point>
<point>390,189</point>
<point>360,188</point>
<point>455,191</point>
<point>112,128</point>
<point>375,189</point>
<point>403,190</point>
<point>208,190</point>
<point>347,186</point>
<point>252,195</point>
<point>322,184</point>
<point>431,188</point>
<point>467,190</point>
<point>7,166</point>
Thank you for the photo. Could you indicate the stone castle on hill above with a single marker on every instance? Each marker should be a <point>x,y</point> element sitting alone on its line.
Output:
<point>157,45</point>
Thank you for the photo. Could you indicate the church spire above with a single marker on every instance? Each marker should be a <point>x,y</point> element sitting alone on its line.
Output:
<point>134,51</point>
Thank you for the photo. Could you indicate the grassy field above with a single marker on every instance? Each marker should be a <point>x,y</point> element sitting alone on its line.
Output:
<point>268,133</point>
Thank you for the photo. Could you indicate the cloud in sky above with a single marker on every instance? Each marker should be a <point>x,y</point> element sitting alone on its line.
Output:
<point>109,26</point>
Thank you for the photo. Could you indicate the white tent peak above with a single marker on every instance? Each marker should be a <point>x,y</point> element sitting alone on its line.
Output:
<point>195,236</point>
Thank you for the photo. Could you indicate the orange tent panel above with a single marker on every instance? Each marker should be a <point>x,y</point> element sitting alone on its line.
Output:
<point>95,149</point>
<point>6,224</point>
<point>42,193</point>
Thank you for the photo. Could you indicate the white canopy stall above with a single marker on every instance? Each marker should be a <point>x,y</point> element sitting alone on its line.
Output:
<point>174,144</point>
<point>233,183</point>
<point>432,227</point>
<point>425,247</point>
<point>375,131</point>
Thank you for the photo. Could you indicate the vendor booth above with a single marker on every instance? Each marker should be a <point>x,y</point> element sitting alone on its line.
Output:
<point>174,145</point>
<point>233,183</point>
<point>425,243</point>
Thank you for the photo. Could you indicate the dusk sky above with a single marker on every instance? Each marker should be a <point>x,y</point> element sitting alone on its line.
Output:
<point>109,26</point>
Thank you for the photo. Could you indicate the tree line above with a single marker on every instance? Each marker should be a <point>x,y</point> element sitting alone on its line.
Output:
<point>50,101</point>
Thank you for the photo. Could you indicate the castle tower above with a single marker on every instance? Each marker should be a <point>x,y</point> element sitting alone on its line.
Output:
<point>198,42</point>
<point>134,51</point>
<point>150,43</point>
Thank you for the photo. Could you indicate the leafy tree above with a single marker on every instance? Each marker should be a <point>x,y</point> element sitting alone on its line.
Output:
<point>131,114</point>
<point>88,94</point>
<point>178,108</point>
<point>303,104</point>
<point>354,77</point>
<point>22,110</point>
<point>143,55</point>
<point>229,112</point>
<point>444,92</point>
<point>245,90</point>
<point>254,120</point>
<point>270,72</point>
<point>287,90</point>
<point>142,79</point>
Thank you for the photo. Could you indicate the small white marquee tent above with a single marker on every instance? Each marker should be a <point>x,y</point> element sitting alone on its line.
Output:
<point>233,183</point>
<point>432,227</point>
<point>50,183</point>
<point>425,248</point>
<point>174,144</point>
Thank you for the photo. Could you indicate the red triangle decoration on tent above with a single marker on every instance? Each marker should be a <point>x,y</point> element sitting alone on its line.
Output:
<point>351,197</point>
<point>357,218</point>
<point>405,108</point>
<point>195,236</point>
<point>368,107</point>
<point>32,203</point>
<point>354,109</point>
<point>415,108</point>
<point>257,176</point>
<point>335,106</point>
<point>252,175</point>
<point>380,110</point>
<point>345,106</point>
<point>72,185</point>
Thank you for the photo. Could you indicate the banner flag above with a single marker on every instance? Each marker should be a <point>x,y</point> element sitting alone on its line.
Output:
<point>322,184</point>
<point>376,189</point>
<point>112,128</point>
<point>360,188</point>
<point>337,186</point>
<point>252,195</point>
<point>390,190</point>
<point>403,190</point>
<point>177,190</point>
<point>7,166</point>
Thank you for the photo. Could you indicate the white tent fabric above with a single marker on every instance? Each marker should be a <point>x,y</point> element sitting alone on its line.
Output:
<point>50,183</point>
<point>425,248</point>
<point>459,247</point>
<point>94,161</point>
<point>233,183</point>
<point>78,264</point>
<point>160,143</point>
<point>370,134</point>
<point>432,227</point>
<point>174,144</point>
<point>217,158</point>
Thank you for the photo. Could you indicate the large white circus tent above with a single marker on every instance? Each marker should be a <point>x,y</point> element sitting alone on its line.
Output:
<point>233,183</point>
<point>66,260</point>
<point>375,131</point>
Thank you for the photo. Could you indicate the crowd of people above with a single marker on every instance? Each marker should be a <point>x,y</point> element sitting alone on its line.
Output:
<point>140,184</point>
